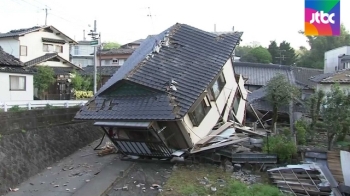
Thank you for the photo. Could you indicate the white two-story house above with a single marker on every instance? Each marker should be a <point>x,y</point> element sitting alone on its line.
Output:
<point>43,46</point>
<point>82,54</point>
<point>170,93</point>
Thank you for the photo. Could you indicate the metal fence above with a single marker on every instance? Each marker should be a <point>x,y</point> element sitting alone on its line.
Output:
<point>5,106</point>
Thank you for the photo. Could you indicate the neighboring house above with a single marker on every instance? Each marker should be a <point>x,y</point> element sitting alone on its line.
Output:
<point>302,76</point>
<point>104,72</point>
<point>43,46</point>
<point>16,80</point>
<point>113,57</point>
<point>325,81</point>
<point>82,54</point>
<point>337,59</point>
<point>135,44</point>
<point>258,75</point>
<point>170,93</point>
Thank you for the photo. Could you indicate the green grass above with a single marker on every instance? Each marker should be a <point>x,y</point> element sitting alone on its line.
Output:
<point>186,181</point>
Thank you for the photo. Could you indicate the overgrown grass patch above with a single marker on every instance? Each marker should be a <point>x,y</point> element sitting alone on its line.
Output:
<point>187,181</point>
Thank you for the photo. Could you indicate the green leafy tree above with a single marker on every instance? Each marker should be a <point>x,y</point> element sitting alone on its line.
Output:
<point>81,83</point>
<point>280,145</point>
<point>285,50</point>
<point>336,114</point>
<point>242,50</point>
<point>280,92</point>
<point>110,45</point>
<point>274,51</point>
<point>43,78</point>
<point>257,55</point>
<point>314,58</point>
<point>315,103</point>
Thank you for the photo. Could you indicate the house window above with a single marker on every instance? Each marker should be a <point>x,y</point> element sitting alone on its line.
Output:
<point>237,101</point>
<point>121,61</point>
<point>76,50</point>
<point>23,50</point>
<point>59,49</point>
<point>115,61</point>
<point>48,48</point>
<point>218,86</point>
<point>200,112</point>
<point>17,83</point>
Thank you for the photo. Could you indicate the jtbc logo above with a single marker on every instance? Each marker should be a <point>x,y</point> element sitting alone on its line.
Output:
<point>324,17</point>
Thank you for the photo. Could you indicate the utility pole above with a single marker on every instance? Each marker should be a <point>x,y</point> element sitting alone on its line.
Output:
<point>46,14</point>
<point>95,42</point>
<point>281,57</point>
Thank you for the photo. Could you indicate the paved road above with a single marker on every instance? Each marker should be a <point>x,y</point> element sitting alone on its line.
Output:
<point>76,175</point>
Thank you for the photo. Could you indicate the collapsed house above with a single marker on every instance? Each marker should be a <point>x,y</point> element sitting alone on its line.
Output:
<point>170,93</point>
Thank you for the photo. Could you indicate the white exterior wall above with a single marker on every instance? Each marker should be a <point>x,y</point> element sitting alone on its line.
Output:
<point>82,50</point>
<point>327,87</point>
<point>34,44</point>
<point>331,59</point>
<point>7,95</point>
<point>199,132</point>
<point>10,45</point>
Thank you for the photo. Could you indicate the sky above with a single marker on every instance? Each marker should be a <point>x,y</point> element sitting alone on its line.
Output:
<point>124,21</point>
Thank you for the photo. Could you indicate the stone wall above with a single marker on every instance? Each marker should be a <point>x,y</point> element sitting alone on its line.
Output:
<point>30,141</point>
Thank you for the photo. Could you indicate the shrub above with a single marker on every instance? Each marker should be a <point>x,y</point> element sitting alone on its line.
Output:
<point>238,188</point>
<point>301,127</point>
<point>14,108</point>
<point>83,94</point>
<point>280,145</point>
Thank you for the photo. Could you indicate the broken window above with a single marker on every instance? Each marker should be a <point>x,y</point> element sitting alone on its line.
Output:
<point>218,86</point>
<point>237,101</point>
<point>200,112</point>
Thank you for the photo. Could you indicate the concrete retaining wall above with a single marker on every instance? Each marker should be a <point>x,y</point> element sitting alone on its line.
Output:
<point>30,141</point>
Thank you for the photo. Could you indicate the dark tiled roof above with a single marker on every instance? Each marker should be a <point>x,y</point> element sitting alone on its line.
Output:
<point>258,100</point>
<point>114,51</point>
<point>11,64</point>
<point>104,70</point>
<point>259,74</point>
<point>342,76</point>
<point>58,41</point>
<point>46,57</point>
<point>193,59</point>
<point>58,70</point>
<point>84,42</point>
<point>302,76</point>
<point>18,32</point>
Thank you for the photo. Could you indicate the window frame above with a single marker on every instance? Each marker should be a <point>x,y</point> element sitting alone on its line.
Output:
<point>48,50</point>
<point>60,48</point>
<point>206,107</point>
<point>121,62</point>
<point>221,82</point>
<point>16,76</point>
<point>20,50</point>
<point>238,94</point>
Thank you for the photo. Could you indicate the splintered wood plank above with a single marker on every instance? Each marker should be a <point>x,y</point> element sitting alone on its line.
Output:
<point>334,164</point>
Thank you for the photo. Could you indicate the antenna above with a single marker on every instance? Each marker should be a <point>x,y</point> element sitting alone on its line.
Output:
<point>150,15</point>
<point>281,57</point>
<point>46,13</point>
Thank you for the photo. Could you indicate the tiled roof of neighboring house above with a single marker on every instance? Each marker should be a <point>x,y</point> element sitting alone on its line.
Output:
<point>58,41</point>
<point>115,51</point>
<point>342,77</point>
<point>84,42</point>
<point>46,57</point>
<point>258,100</point>
<point>139,41</point>
<point>104,70</point>
<point>9,63</point>
<point>259,74</point>
<point>193,59</point>
<point>20,32</point>
<point>302,76</point>
<point>345,58</point>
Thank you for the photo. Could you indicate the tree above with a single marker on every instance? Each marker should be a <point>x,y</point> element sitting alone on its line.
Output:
<point>279,92</point>
<point>81,83</point>
<point>273,49</point>
<point>288,52</point>
<point>110,45</point>
<point>284,49</point>
<point>242,50</point>
<point>336,114</point>
<point>315,103</point>
<point>257,55</point>
<point>319,45</point>
<point>43,78</point>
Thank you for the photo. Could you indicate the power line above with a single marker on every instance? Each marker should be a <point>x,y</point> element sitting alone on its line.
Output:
<point>281,57</point>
